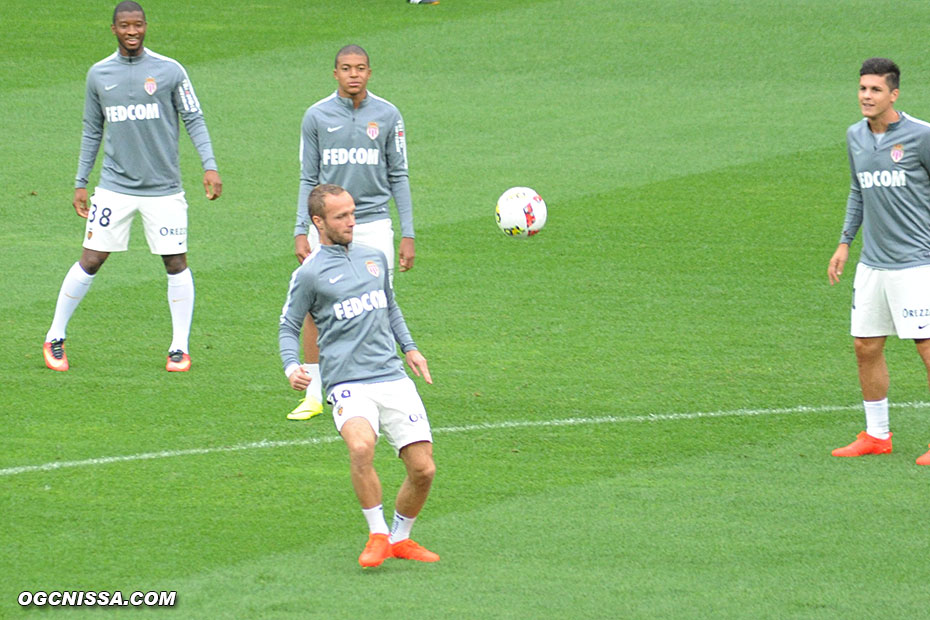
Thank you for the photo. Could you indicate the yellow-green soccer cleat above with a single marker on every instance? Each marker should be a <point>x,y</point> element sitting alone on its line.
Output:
<point>307,408</point>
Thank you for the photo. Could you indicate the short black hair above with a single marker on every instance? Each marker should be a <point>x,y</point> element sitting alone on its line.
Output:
<point>351,49</point>
<point>883,67</point>
<point>128,6</point>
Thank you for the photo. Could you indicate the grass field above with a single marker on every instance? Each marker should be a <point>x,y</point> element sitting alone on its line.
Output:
<point>633,410</point>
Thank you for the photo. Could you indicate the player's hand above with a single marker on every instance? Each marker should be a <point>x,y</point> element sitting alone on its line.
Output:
<point>80,202</point>
<point>212,184</point>
<point>301,247</point>
<point>837,263</point>
<point>298,379</point>
<point>418,365</point>
<point>405,253</point>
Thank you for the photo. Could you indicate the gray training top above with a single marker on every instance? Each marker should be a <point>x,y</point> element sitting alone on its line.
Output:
<point>361,149</point>
<point>889,196</point>
<point>347,292</point>
<point>139,98</point>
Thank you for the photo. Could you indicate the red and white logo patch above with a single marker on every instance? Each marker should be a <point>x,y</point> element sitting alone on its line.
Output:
<point>373,268</point>
<point>150,85</point>
<point>897,153</point>
<point>372,130</point>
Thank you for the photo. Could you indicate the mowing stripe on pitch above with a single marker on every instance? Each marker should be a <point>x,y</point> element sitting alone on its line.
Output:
<point>255,445</point>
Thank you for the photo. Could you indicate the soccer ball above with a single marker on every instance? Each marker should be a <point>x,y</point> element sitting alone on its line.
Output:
<point>521,212</point>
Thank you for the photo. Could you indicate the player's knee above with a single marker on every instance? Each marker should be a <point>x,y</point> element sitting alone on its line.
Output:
<point>867,349</point>
<point>427,472</point>
<point>175,263</point>
<point>422,470</point>
<point>91,261</point>
<point>361,448</point>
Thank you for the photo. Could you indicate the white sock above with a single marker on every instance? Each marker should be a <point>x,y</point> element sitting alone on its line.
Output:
<point>876,418</point>
<point>315,389</point>
<point>181,304</point>
<point>375,518</point>
<point>73,288</point>
<point>400,528</point>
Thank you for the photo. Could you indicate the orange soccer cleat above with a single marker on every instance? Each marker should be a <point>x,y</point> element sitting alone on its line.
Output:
<point>408,550</point>
<point>865,444</point>
<point>178,361</point>
<point>377,550</point>
<point>55,356</point>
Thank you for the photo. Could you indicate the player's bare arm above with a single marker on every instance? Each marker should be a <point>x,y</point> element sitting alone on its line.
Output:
<point>418,365</point>
<point>80,202</point>
<point>212,184</point>
<point>406,253</point>
<point>301,247</point>
<point>837,263</point>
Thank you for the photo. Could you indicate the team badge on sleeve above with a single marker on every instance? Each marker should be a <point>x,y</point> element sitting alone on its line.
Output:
<point>897,153</point>
<point>150,85</point>
<point>372,268</point>
<point>372,130</point>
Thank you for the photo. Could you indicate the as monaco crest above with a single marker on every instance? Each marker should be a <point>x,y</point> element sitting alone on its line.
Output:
<point>150,85</point>
<point>372,130</point>
<point>897,153</point>
<point>372,268</point>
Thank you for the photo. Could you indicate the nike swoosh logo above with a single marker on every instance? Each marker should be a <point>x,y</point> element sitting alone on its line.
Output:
<point>922,326</point>
<point>332,129</point>
<point>336,279</point>
<point>110,87</point>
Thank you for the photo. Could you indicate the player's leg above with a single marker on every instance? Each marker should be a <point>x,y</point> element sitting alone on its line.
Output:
<point>406,427</point>
<point>165,223</point>
<point>181,307</point>
<point>871,321</point>
<point>873,379</point>
<point>106,230</point>
<point>73,289</point>
<point>312,404</point>
<point>356,418</point>
<point>923,348</point>
<point>421,469</point>
<point>360,440</point>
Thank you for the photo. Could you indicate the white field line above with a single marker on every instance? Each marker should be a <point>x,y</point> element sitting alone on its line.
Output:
<point>490,426</point>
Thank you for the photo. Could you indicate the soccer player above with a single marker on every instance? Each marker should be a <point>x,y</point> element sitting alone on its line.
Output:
<point>889,198</point>
<point>138,96</point>
<point>354,139</point>
<point>346,288</point>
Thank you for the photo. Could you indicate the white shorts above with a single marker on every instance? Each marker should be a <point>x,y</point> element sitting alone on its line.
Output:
<point>378,234</point>
<point>164,219</point>
<point>888,302</point>
<point>391,407</point>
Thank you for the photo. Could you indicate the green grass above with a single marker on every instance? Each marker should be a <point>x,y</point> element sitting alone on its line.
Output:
<point>692,156</point>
